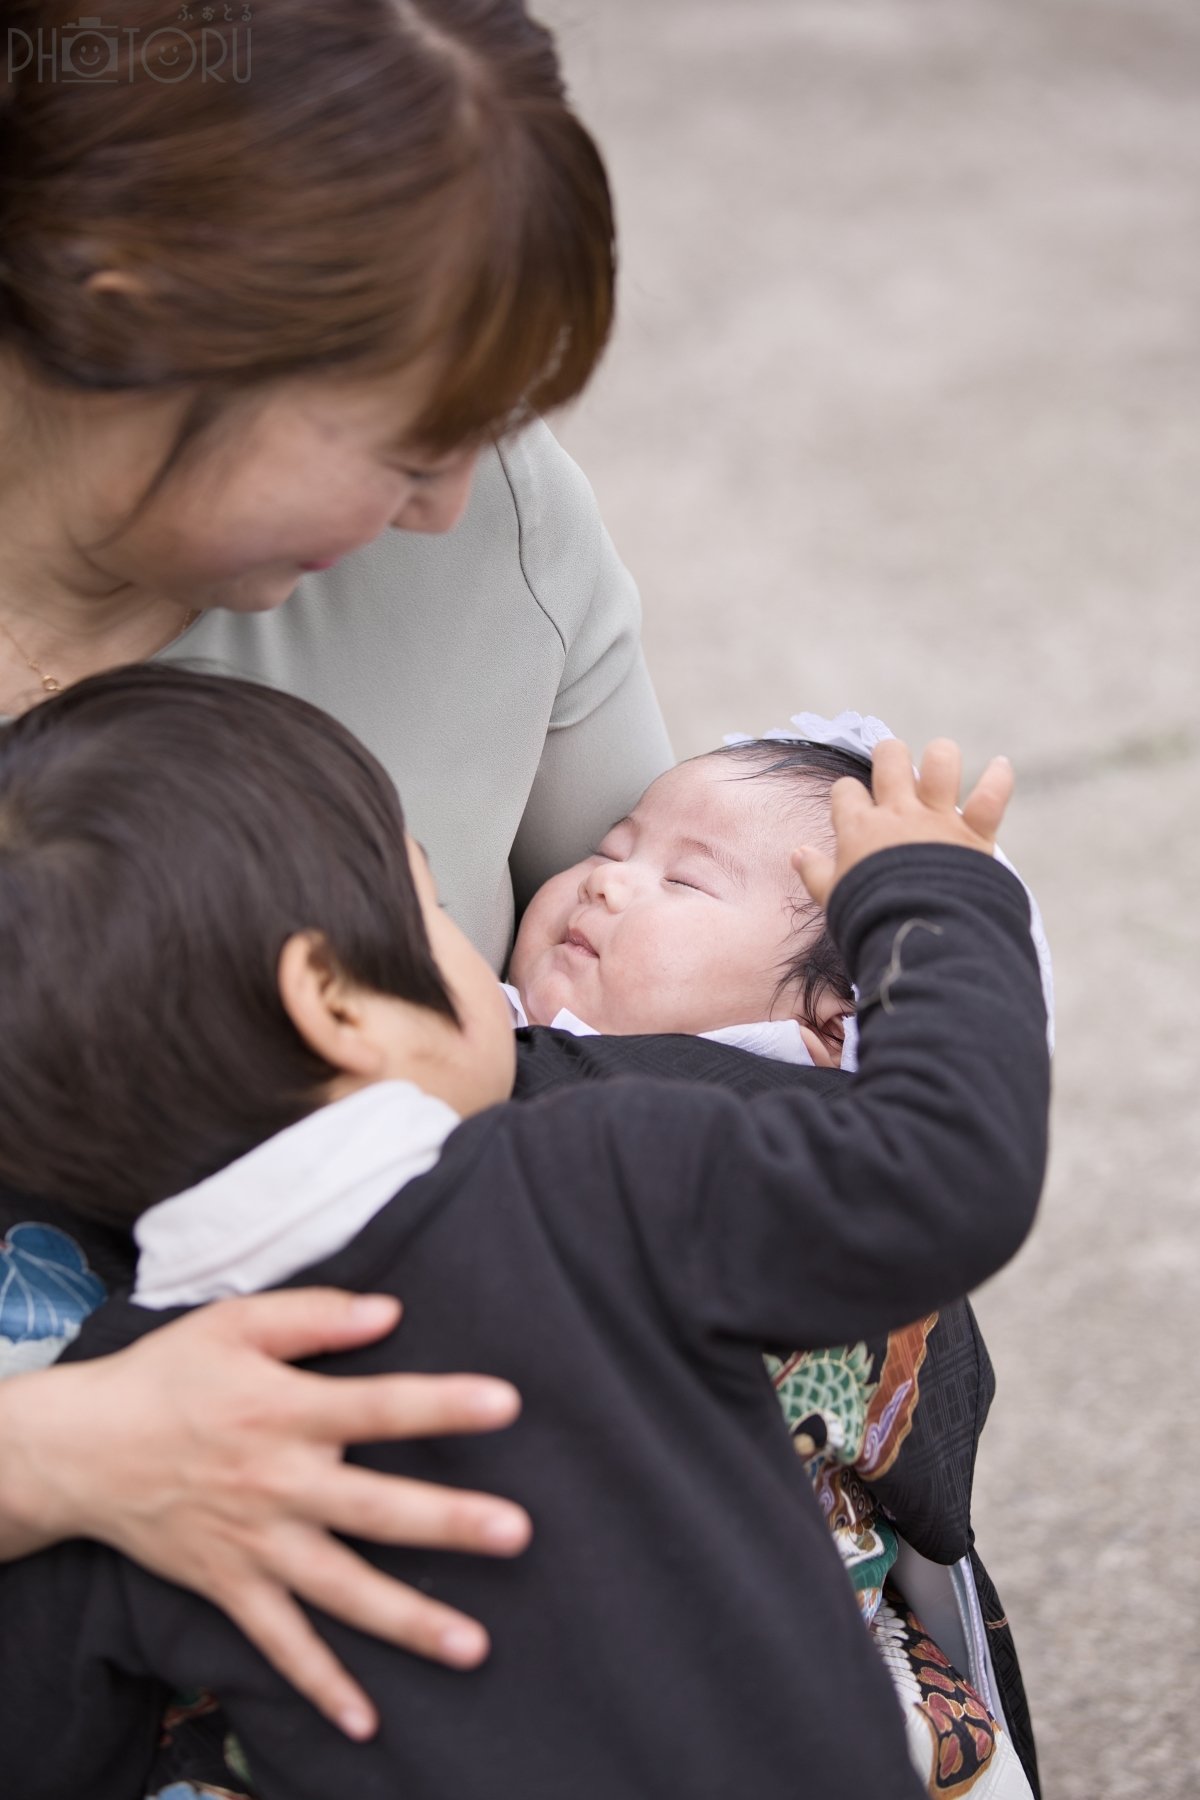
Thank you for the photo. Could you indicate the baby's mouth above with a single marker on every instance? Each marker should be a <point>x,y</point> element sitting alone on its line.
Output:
<point>575,940</point>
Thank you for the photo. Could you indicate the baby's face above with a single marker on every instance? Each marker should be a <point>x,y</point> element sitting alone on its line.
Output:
<point>683,918</point>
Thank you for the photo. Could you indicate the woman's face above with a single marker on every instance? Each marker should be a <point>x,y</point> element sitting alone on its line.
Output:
<point>290,481</point>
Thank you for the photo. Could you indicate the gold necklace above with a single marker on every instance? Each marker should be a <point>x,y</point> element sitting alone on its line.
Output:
<point>52,685</point>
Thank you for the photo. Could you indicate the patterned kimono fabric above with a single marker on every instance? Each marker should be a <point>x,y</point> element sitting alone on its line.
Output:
<point>848,1421</point>
<point>849,1411</point>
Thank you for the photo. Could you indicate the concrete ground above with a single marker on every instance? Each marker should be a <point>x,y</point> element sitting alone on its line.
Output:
<point>903,414</point>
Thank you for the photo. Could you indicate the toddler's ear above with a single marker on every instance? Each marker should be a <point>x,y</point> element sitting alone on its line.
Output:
<point>326,1009</point>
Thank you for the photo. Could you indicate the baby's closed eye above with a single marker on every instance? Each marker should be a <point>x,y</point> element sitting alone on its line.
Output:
<point>682,881</point>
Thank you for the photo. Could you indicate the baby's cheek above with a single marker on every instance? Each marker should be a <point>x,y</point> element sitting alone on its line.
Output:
<point>648,989</point>
<point>518,962</point>
<point>699,981</point>
<point>535,934</point>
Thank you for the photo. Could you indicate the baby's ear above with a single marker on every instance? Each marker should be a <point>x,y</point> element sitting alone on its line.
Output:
<point>826,1054</point>
<point>822,1030</point>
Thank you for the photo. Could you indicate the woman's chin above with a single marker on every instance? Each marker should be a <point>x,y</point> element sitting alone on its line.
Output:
<point>257,591</point>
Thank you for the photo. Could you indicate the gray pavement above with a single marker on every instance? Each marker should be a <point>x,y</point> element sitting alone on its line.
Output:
<point>903,414</point>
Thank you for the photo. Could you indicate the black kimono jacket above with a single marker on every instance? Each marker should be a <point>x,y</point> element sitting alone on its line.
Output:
<point>623,1252</point>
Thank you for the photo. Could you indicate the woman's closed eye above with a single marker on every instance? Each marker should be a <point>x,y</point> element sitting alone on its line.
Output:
<point>418,477</point>
<point>420,473</point>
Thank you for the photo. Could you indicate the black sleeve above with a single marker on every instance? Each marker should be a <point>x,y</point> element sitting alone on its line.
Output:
<point>804,1220</point>
<point>78,1716</point>
<point>925,1484</point>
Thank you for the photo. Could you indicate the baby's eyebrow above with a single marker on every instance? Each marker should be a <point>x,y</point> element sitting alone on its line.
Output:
<point>724,860</point>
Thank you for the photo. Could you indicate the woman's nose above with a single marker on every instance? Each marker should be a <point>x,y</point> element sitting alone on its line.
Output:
<point>437,505</point>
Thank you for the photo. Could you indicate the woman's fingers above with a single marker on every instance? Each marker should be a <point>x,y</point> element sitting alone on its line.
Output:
<point>283,1635</point>
<point>370,1409</point>
<point>305,1321</point>
<point>200,1455</point>
<point>326,1574</point>
<point>986,804</point>
<point>390,1509</point>
<point>941,775</point>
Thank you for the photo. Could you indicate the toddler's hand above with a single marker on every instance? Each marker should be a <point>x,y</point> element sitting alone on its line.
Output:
<point>907,809</point>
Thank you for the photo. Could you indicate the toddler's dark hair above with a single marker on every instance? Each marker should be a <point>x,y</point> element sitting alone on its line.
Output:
<point>162,835</point>
<point>817,965</point>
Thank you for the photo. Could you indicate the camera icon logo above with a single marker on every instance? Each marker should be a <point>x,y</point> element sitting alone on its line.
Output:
<point>88,51</point>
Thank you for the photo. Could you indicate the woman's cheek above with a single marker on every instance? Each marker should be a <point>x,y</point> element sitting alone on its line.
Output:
<point>328,519</point>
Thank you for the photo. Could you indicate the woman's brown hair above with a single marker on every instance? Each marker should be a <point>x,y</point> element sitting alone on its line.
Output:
<point>371,183</point>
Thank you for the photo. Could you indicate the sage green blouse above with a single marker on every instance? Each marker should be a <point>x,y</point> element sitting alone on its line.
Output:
<point>495,671</point>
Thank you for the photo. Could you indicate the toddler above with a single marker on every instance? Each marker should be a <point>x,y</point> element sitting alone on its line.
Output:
<point>237,1019</point>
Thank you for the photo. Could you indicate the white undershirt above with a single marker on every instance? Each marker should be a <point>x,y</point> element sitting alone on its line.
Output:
<point>293,1200</point>
<point>776,1038</point>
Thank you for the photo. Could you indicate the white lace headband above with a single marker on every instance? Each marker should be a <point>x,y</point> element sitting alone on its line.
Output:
<point>851,731</point>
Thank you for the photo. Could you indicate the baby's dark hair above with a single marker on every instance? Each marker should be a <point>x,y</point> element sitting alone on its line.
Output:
<point>817,965</point>
<point>162,835</point>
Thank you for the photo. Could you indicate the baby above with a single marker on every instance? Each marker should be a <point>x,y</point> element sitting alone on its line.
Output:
<point>689,915</point>
<point>690,918</point>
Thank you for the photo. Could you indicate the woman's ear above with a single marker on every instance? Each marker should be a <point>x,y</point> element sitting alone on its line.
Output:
<point>326,1008</point>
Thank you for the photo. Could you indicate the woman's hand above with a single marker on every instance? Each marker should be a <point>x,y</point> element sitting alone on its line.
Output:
<point>201,1455</point>
<point>903,808</point>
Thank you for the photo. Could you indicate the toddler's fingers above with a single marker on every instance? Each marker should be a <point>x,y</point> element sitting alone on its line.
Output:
<point>848,800</point>
<point>891,773</point>
<point>815,870</point>
<point>986,804</point>
<point>941,775</point>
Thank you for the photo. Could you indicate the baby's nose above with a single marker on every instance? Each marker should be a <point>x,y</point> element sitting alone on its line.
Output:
<point>607,882</point>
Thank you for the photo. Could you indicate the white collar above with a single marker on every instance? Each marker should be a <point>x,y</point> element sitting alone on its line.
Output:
<point>295,1199</point>
<point>779,1039</point>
